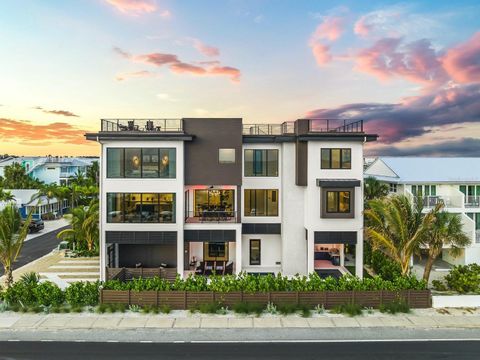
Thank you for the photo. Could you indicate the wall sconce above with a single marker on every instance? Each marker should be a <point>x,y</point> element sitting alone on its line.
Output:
<point>136,161</point>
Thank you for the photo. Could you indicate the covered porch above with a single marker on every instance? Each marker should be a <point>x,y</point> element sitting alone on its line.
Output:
<point>209,252</point>
<point>334,253</point>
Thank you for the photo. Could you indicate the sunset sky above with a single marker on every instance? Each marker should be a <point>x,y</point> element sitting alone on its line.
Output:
<point>411,70</point>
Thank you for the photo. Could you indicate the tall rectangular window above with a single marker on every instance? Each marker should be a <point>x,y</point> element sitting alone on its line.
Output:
<point>115,212</point>
<point>133,163</point>
<point>337,203</point>
<point>141,163</point>
<point>261,202</point>
<point>255,252</point>
<point>261,162</point>
<point>336,158</point>
<point>115,163</point>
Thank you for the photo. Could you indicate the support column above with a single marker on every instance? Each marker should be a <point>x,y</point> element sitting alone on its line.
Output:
<point>180,254</point>
<point>310,252</point>
<point>238,250</point>
<point>359,255</point>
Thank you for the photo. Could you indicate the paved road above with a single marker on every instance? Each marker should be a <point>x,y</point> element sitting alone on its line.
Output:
<point>36,248</point>
<point>306,350</point>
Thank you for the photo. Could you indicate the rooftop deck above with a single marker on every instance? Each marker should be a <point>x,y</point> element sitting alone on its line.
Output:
<point>143,125</point>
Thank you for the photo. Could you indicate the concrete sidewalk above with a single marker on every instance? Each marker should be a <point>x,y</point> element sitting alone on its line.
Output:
<point>421,319</point>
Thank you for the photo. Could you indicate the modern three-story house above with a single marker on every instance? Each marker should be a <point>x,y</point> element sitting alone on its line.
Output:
<point>451,181</point>
<point>214,195</point>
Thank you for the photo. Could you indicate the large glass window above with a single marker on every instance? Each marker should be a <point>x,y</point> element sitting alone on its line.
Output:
<point>140,208</point>
<point>115,162</point>
<point>214,201</point>
<point>145,163</point>
<point>255,258</point>
<point>261,202</point>
<point>338,202</point>
<point>336,158</point>
<point>261,162</point>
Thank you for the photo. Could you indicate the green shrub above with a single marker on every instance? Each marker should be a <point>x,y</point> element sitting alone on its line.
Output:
<point>248,308</point>
<point>287,309</point>
<point>30,279</point>
<point>209,308</point>
<point>439,285</point>
<point>464,278</point>
<point>82,294</point>
<point>396,306</point>
<point>48,293</point>
<point>348,309</point>
<point>165,309</point>
<point>305,310</point>
<point>386,268</point>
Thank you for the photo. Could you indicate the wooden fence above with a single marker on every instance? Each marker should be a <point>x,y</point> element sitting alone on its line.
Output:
<point>329,299</point>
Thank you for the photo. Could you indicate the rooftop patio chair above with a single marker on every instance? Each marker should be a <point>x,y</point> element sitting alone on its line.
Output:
<point>149,126</point>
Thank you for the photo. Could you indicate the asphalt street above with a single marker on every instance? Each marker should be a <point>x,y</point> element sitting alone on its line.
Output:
<point>36,248</point>
<point>303,350</point>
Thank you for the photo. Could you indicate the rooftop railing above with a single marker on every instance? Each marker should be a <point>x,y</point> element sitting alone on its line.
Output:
<point>143,125</point>
<point>335,126</point>
<point>269,129</point>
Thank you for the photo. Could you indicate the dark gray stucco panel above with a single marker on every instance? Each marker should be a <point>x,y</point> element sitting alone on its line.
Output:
<point>301,153</point>
<point>335,237</point>
<point>261,228</point>
<point>201,154</point>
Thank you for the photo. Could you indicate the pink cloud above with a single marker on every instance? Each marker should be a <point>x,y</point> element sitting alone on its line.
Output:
<point>207,50</point>
<point>330,29</point>
<point>177,66</point>
<point>134,7</point>
<point>416,61</point>
<point>462,62</point>
<point>133,75</point>
<point>321,53</point>
<point>362,27</point>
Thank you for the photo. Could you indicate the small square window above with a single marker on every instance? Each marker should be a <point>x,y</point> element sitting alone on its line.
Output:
<point>226,156</point>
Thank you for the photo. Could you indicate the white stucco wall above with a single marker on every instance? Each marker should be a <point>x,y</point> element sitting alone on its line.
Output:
<point>270,253</point>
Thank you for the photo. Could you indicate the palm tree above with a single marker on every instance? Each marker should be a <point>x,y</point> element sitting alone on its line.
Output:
<point>445,230</point>
<point>397,227</point>
<point>85,227</point>
<point>6,196</point>
<point>93,172</point>
<point>374,189</point>
<point>12,235</point>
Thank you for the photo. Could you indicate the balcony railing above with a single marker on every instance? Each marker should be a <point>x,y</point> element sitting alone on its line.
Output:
<point>472,201</point>
<point>143,125</point>
<point>269,129</point>
<point>211,216</point>
<point>447,201</point>
<point>335,126</point>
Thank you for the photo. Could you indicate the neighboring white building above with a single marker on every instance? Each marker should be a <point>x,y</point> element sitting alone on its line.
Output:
<point>454,181</point>
<point>213,194</point>
<point>50,169</point>
<point>26,201</point>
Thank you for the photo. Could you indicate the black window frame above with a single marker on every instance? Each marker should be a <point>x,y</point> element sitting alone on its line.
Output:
<point>266,162</point>
<point>342,160</point>
<point>123,196</point>
<point>259,252</point>
<point>266,195</point>
<point>122,168</point>
<point>324,213</point>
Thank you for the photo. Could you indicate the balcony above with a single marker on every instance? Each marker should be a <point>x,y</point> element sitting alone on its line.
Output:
<point>472,201</point>
<point>210,216</point>
<point>447,201</point>
<point>143,125</point>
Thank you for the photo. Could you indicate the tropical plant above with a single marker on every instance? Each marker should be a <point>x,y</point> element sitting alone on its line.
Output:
<point>49,191</point>
<point>93,173</point>
<point>464,278</point>
<point>6,196</point>
<point>15,177</point>
<point>84,231</point>
<point>12,235</point>
<point>397,227</point>
<point>374,189</point>
<point>445,230</point>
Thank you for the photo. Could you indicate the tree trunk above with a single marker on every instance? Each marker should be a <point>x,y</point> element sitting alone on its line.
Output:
<point>429,264</point>
<point>8,276</point>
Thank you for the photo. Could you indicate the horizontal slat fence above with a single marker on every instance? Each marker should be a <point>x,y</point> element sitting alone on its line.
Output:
<point>188,299</point>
